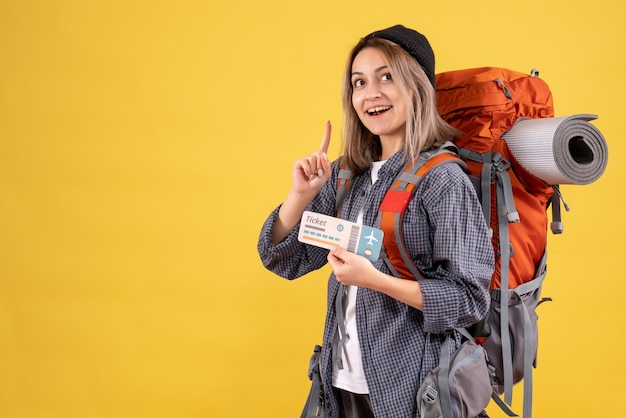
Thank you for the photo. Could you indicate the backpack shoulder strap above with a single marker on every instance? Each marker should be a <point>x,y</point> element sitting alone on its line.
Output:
<point>395,202</point>
<point>314,405</point>
<point>343,184</point>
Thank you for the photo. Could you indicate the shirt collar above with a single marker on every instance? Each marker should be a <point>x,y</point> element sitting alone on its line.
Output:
<point>393,165</point>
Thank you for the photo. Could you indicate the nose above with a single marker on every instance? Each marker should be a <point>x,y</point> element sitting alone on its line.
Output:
<point>372,92</point>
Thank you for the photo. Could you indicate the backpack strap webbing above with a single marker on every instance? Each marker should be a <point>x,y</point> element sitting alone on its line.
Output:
<point>394,204</point>
<point>515,296</point>
<point>443,378</point>
<point>315,400</point>
<point>343,183</point>
<point>494,167</point>
<point>505,251</point>
<point>555,200</point>
<point>495,171</point>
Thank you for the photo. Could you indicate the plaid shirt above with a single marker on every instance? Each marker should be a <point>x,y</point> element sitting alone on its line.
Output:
<point>447,237</point>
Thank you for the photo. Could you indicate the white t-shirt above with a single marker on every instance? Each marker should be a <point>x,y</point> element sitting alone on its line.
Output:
<point>352,376</point>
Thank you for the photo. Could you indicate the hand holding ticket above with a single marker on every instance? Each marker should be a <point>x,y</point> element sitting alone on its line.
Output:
<point>327,232</point>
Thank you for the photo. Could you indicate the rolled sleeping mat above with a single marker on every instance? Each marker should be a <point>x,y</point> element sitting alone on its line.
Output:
<point>559,150</point>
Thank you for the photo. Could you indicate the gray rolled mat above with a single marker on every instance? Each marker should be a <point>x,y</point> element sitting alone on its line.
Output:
<point>562,150</point>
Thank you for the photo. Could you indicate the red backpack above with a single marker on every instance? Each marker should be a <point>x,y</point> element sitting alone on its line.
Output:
<point>484,103</point>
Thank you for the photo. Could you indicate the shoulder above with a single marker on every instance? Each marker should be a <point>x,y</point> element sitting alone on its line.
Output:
<point>446,183</point>
<point>448,174</point>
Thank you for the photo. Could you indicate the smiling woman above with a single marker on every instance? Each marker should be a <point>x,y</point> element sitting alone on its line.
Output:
<point>375,351</point>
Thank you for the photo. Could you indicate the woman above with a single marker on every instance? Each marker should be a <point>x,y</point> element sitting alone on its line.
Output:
<point>394,328</point>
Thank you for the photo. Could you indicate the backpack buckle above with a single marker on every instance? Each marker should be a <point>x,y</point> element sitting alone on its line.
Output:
<point>430,396</point>
<point>500,164</point>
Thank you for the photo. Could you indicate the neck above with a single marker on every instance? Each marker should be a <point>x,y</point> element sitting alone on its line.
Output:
<point>390,145</point>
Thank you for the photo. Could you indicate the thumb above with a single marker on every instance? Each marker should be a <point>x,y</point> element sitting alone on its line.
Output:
<point>339,253</point>
<point>334,261</point>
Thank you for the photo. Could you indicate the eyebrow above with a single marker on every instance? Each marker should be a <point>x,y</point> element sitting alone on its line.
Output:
<point>379,69</point>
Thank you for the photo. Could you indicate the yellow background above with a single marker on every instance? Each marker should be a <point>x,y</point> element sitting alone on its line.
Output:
<point>143,143</point>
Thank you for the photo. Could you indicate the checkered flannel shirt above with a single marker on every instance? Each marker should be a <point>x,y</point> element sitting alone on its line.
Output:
<point>447,237</point>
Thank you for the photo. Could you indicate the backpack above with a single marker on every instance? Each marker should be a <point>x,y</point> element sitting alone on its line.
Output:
<point>484,103</point>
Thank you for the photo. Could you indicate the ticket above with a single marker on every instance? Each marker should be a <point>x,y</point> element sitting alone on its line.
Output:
<point>327,231</point>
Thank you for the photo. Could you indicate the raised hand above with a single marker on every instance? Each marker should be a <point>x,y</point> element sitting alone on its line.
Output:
<point>309,175</point>
<point>311,172</point>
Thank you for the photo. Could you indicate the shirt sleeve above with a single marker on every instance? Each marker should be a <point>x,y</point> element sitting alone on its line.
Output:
<point>290,258</point>
<point>462,254</point>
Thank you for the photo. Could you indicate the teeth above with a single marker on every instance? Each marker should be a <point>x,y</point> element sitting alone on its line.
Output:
<point>378,109</point>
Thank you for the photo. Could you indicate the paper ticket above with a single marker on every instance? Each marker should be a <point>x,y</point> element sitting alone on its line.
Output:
<point>327,231</point>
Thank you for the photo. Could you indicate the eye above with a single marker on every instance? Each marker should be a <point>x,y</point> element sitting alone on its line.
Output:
<point>386,77</point>
<point>358,83</point>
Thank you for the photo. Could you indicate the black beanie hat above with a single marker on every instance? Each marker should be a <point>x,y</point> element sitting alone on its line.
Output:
<point>412,42</point>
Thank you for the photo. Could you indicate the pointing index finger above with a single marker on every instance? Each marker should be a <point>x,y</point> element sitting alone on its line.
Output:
<point>326,138</point>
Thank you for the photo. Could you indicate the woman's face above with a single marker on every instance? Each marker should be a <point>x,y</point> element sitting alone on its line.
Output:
<point>376,97</point>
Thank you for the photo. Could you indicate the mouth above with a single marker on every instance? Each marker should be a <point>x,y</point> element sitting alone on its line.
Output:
<point>377,110</point>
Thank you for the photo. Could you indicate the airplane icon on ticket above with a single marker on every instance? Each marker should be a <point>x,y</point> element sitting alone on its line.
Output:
<point>371,238</point>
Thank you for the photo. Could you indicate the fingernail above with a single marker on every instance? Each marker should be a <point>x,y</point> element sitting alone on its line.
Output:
<point>320,172</point>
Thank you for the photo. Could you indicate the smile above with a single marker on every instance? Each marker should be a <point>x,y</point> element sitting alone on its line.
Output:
<point>377,110</point>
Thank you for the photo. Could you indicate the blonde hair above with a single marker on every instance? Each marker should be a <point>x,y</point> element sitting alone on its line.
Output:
<point>425,129</point>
